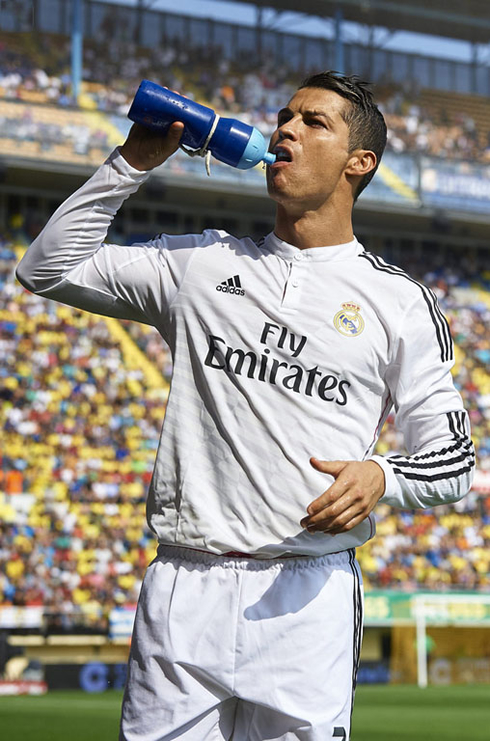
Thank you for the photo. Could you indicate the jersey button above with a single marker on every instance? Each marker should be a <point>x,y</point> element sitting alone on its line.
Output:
<point>298,256</point>
<point>295,283</point>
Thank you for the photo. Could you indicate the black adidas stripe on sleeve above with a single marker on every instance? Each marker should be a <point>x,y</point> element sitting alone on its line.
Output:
<point>439,321</point>
<point>446,463</point>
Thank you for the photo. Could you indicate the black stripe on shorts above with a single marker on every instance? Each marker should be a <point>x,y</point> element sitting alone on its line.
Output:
<point>357,638</point>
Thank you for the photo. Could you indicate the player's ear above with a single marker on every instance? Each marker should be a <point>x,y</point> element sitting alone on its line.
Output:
<point>361,161</point>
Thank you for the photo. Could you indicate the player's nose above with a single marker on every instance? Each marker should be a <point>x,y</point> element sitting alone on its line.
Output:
<point>289,129</point>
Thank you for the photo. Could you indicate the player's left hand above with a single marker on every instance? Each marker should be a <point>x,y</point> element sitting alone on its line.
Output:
<point>348,501</point>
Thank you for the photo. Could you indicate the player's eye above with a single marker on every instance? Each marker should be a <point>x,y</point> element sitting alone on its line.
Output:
<point>315,122</point>
<point>283,118</point>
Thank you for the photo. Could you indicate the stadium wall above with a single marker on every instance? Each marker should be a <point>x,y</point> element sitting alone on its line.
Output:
<point>456,643</point>
<point>455,655</point>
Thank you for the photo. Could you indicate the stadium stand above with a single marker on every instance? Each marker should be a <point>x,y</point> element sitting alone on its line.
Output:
<point>80,427</point>
<point>34,71</point>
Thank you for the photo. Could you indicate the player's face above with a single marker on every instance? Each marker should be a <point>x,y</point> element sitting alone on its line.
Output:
<point>312,147</point>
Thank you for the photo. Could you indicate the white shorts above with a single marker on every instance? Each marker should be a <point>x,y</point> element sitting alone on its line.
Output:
<point>244,649</point>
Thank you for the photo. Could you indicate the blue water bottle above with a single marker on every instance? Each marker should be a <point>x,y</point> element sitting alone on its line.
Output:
<point>230,141</point>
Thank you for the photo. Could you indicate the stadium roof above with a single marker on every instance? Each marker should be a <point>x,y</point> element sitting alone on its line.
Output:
<point>467,20</point>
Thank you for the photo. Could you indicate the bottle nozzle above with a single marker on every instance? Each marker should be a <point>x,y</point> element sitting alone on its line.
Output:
<point>269,158</point>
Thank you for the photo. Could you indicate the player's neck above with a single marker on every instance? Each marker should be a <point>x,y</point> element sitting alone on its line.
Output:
<point>313,228</point>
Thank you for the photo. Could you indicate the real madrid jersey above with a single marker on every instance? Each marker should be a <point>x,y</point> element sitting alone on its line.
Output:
<point>279,354</point>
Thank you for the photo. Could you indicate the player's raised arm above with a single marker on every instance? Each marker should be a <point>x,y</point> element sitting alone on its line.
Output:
<point>68,261</point>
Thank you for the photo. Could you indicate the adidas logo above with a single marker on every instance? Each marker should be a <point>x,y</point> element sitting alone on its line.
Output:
<point>232,285</point>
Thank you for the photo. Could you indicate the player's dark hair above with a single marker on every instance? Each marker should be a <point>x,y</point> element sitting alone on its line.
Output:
<point>367,127</point>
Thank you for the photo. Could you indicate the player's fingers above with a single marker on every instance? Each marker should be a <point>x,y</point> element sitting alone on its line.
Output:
<point>334,468</point>
<point>142,134</point>
<point>174,135</point>
<point>176,130</point>
<point>331,495</point>
<point>345,520</point>
<point>332,502</point>
<point>346,523</point>
<point>344,492</point>
<point>325,501</point>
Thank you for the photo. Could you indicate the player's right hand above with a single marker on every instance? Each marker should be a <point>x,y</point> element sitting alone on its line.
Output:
<point>145,149</point>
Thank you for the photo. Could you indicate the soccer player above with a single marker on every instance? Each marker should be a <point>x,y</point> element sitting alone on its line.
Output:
<point>288,355</point>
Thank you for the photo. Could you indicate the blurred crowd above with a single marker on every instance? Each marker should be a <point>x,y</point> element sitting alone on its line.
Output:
<point>443,549</point>
<point>43,126</point>
<point>448,547</point>
<point>432,132</point>
<point>79,429</point>
<point>37,69</point>
<point>79,433</point>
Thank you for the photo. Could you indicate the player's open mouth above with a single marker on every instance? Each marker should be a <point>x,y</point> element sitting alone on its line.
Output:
<point>283,156</point>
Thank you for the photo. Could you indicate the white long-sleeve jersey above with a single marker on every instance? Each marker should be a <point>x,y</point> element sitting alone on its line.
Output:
<point>279,354</point>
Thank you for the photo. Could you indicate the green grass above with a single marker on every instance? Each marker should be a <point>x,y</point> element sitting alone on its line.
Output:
<point>69,715</point>
<point>406,713</point>
<point>382,713</point>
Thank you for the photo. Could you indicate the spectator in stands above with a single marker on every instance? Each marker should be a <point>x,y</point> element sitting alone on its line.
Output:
<point>242,86</point>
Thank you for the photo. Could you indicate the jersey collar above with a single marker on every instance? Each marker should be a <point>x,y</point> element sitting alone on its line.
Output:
<point>332,253</point>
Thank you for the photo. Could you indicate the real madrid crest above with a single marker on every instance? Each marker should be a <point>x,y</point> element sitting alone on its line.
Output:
<point>348,320</point>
